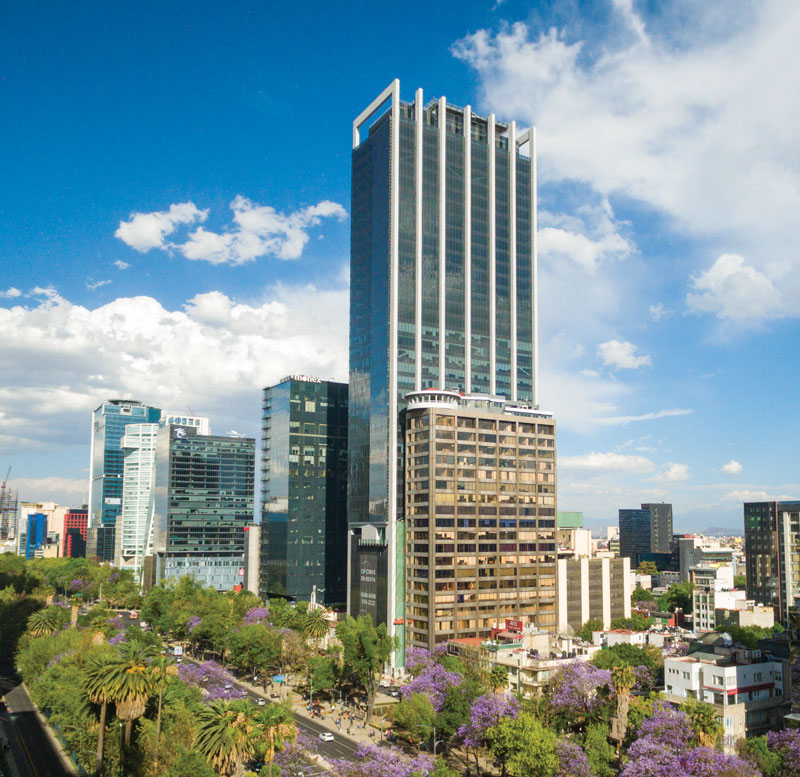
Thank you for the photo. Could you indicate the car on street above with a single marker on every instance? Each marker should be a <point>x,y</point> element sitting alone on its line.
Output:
<point>261,702</point>
<point>228,687</point>
<point>326,736</point>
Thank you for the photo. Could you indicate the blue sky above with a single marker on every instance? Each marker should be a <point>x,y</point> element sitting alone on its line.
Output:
<point>174,227</point>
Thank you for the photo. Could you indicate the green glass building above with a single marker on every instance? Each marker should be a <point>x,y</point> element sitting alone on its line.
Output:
<point>304,490</point>
<point>443,296</point>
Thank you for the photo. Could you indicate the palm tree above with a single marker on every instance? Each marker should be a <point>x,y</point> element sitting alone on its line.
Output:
<point>622,678</point>
<point>277,724</point>
<point>43,622</point>
<point>161,669</point>
<point>705,724</point>
<point>96,685</point>
<point>316,625</point>
<point>130,684</point>
<point>75,603</point>
<point>227,736</point>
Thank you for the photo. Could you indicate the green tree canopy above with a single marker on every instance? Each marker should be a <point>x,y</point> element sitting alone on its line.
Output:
<point>647,568</point>
<point>593,624</point>
<point>524,746</point>
<point>416,716</point>
<point>641,595</point>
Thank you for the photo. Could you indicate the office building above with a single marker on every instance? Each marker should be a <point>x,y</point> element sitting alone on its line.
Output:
<point>202,503</point>
<point>55,521</point>
<point>252,558</point>
<point>100,543</point>
<point>107,462</point>
<point>35,534</point>
<point>480,517</point>
<point>710,583</point>
<point>772,547</point>
<point>74,538</point>
<point>592,588</point>
<point>645,530</point>
<point>9,504</point>
<point>304,490</point>
<point>443,296</point>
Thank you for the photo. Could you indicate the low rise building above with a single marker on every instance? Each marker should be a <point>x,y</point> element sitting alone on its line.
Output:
<point>625,637</point>
<point>750,690</point>
<point>750,614</point>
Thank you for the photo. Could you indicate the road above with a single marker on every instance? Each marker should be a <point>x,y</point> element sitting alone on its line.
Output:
<point>31,748</point>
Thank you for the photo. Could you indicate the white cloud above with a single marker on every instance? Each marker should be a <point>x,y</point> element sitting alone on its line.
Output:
<point>606,462</point>
<point>96,285</point>
<point>259,230</point>
<point>700,134</point>
<point>748,495</point>
<point>120,265</point>
<point>148,230</point>
<point>71,492</point>
<point>10,293</point>
<point>734,290</point>
<point>622,420</point>
<point>673,473</point>
<point>59,360</point>
<point>658,312</point>
<point>621,355</point>
<point>732,468</point>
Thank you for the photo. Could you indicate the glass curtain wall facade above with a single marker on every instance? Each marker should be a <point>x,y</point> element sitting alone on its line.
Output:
<point>772,553</point>
<point>443,294</point>
<point>634,533</point>
<point>106,459</point>
<point>660,526</point>
<point>202,503</point>
<point>304,490</point>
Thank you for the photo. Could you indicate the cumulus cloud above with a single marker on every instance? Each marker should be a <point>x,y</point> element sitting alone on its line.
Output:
<point>732,468</point>
<point>673,473</point>
<point>259,230</point>
<point>748,495</point>
<point>621,355</point>
<point>734,290</point>
<point>144,231</point>
<point>607,462</point>
<point>699,134</point>
<point>120,265</point>
<point>10,293</point>
<point>64,491</point>
<point>59,360</point>
<point>658,312</point>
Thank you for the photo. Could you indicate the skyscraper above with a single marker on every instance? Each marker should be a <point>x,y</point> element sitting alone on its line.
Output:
<point>202,503</point>
<point>646,530</point>
<point>772,547</point>
<point>304,490</point>
<point>443,295</point>
<point>106,460</point>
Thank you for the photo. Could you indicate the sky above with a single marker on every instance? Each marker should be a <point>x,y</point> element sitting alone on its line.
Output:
<point>174,222</point>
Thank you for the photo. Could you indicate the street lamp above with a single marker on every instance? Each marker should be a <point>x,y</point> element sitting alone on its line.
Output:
<point>436,742</point>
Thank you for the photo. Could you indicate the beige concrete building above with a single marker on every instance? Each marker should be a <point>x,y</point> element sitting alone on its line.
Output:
<point>593,588</point>
<point>480,516</point>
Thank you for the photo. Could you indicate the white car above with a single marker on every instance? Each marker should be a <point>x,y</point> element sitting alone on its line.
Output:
<point>228,687</point>
<point>326,736</point>
<point>261,702</point>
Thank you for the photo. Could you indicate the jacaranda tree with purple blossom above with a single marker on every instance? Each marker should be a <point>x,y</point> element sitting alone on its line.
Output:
<point>576,694</point>
<point>372,761</point>
<point>486,712</point>
<point>787,745</point>
<point>572,761</point>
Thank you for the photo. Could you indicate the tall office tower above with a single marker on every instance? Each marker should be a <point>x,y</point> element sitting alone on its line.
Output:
<point>480,522</point>
<point>73,542</point>
<point>133,528</point>
<point>645,531</point>
<point>106,461</point>
<point>772,547</point>
<point>9,504</point>
<point>660,526</point>
<point>443,295</point>
<point>202,503</point>
<point>304,490</point>
<point>35,533</point>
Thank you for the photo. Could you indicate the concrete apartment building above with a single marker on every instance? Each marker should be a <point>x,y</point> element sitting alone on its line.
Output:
<point>593,588</point>
<point>480,506</point>
<point>750,690</point>
<point>709,583</point>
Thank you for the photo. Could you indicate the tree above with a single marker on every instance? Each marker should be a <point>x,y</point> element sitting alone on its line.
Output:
<point>321,673</point>
<point>276,724</point>
<point>598,749</point>
<point>43,622</point>
<point>456,708</point>
<point>593,624</point>
<point>740,581</point>
<point>366,648</point>
<point>757,752</point>
<point>415,715</point>
<point>524,747</point>
<point>703,719</point>
<point>161,669</point>
<point>625,655</point>
<point>679,596</point>
<point>622,678</point>
<point>641,595</point>
<point>227,736</point>
<point>486,712</point>
<point>647,568</point>
<point>316,624</point>
<point>97,687</point>
<point>498,678</point>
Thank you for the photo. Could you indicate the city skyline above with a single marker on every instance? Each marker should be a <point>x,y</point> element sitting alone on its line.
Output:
<point>665,282</point>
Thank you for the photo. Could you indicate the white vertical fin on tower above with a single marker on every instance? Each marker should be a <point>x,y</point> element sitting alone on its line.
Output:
<point>491,184</point>
<point>534,272</point>
<point>442,111</point>
<point>419,116</point>
<point>468,249</point>
<point>512,249</point>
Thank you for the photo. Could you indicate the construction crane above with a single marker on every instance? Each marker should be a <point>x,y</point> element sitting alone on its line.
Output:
<point>5,482</point>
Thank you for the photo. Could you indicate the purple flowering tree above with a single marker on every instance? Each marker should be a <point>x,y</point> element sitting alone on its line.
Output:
<point>256,615</point>
<point>212,678</point>
<point>707,762</point>
<point>577,691</point>
<point>572,760</point>
<point>373,761</point>
<point>486,711</point>
<point>787,744</point>
<point>670,728</point>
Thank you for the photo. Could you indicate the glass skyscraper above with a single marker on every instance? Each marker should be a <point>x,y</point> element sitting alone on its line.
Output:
<point>443,296</point>
<point>202,503</point>
<point>106,460</point>
<point>304,490</point>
